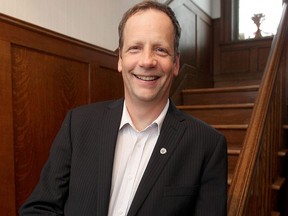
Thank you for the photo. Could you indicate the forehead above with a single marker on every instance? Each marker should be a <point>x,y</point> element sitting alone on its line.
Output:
<point>149,13</point>
<point>151,21</point>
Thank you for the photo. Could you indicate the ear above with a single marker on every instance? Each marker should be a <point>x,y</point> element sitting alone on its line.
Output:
<point>119,61</point>
<point>176,65</point>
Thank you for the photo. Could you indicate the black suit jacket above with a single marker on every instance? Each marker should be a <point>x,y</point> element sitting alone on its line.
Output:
<point>190,179</point>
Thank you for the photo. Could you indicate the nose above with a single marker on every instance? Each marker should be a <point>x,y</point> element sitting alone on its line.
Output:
<point>148,59</point>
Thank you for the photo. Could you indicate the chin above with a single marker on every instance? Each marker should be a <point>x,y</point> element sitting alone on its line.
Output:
<point>145,98</point>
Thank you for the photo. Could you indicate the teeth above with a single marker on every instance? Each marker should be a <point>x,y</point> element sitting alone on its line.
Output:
<point>145,78</point>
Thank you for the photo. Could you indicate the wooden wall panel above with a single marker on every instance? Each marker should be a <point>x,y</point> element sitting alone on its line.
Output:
<point>235,61</point>
<point>205,49</point>
<point>7,174</point>
<point>263,53</point>
<point>110,89</point>
<point>42,75</point>
<point>238,62</point>
<point>45,87</point>
<point>196,48</point>
<point>245,63</point>
<point>188,41</point>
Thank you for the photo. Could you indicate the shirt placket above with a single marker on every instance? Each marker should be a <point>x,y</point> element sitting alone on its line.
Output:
<point>131,173</point>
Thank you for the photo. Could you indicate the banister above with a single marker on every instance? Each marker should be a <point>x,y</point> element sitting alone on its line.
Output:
<point>245,170</point>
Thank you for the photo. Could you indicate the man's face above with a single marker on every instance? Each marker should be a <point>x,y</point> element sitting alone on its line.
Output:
<point>147,59</point>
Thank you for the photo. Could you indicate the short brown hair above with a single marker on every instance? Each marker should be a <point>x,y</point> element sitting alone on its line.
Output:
<point>145,5</point>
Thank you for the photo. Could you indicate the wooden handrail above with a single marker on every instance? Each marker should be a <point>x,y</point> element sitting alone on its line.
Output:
<point>265,119</point>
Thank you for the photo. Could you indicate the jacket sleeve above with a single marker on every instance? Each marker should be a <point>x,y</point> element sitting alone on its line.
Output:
<point>212,199</point>
<point>49,196</point>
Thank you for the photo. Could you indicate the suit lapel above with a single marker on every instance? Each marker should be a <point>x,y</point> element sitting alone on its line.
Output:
<point>168,140</point>
<point>111,121</point>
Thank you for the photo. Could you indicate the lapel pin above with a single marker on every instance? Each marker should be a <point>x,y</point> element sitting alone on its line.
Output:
<point>163,151</point>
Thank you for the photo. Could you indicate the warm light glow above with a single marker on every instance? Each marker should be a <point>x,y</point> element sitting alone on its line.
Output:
<point>272,10</point>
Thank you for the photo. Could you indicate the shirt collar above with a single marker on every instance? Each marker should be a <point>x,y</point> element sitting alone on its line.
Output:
<point>126,119</point>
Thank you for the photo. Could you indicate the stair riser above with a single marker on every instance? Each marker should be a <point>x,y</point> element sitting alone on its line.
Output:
<point>219,98</point>
<point>234,137</point>
<point>232,161</point>
<point>222,116</point>
<point>277,200</point>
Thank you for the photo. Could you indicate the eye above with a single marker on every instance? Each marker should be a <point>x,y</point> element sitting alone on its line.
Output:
<point>133,49</point>
<point>161,51</point>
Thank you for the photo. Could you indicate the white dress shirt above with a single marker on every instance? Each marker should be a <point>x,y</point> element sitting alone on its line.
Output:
<point>133,151</point>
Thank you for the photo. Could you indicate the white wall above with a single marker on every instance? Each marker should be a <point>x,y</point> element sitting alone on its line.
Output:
<point>205,5</point>
<point>216,9</point>
<point>93,21</point>
<point>211,7</point>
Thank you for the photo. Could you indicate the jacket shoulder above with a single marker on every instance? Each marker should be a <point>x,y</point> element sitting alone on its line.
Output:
<point>97,107</point>
<point>95,111</point>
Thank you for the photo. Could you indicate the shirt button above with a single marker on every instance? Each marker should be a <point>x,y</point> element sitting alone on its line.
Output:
<point>120,212</point>
<point>130,177</point>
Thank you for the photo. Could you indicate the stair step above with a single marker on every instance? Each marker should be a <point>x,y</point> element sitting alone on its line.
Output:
<point>274,213</point>
<point>278,183</point>
<point>226,95</point>
<point>232,160</point>
<point>283,153</point>
<point>220,114</point>
<point>224,89</point>
<point>216,106</point>
<point>237,79</point>
<point>234,134</point>
<point>231,127</point>
<point>233,155</point>
<point>234,151</point>
<point>229,180</point>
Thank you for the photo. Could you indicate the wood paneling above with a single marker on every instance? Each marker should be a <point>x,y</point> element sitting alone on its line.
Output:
<point>195,47</point>
<point>44,87</point>
<point>7,179</point>
<point>105,84</point>
<point>238,62</point>
<point>230,61</point>
<point>188,21</point>
<point>42,75</point>
<point>244,57</point>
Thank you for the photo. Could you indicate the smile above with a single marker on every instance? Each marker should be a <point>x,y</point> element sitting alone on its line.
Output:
<point>146,78</point>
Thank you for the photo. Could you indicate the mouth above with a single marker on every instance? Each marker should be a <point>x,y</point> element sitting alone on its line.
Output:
<point>146,78</point>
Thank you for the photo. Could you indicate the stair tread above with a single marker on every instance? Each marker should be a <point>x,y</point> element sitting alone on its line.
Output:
<point>278,183</point>
<point>222,89</point>
<point>283,152</point>
<point>213,106</point>
<point>231,126</point>
<point>229,180</point>
<point>274,213</point>
<point>234,151</point>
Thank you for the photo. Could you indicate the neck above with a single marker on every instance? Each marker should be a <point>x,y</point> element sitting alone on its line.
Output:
<point>143,114</point>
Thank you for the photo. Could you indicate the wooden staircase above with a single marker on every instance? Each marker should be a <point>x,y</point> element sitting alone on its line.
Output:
<point>254,120</point>
<point>228,109</point>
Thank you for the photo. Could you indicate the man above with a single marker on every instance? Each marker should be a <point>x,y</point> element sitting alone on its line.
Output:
<point>138,155</point>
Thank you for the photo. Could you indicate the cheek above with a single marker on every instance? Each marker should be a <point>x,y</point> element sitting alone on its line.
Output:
<point>128,64</point>
<point>170,70</point>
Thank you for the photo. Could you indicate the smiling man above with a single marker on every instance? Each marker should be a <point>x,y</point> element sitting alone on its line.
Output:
<point>148,63</point>
<point>138,155</point>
